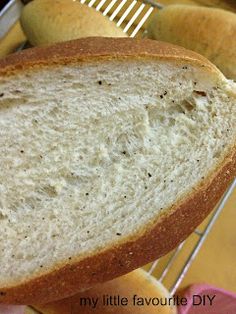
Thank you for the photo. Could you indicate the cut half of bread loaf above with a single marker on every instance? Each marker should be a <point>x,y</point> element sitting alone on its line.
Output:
<point>137,292</point>
<point>112,152</point>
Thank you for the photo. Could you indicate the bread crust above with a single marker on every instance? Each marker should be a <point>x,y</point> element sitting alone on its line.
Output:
<point>100,48</point>
<point>156,238</point>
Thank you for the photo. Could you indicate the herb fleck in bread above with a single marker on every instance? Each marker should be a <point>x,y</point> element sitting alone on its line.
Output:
<point>112,152</point>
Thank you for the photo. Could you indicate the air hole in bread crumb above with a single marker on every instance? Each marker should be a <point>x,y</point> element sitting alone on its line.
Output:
<point>201,93</point>
<point>50,190</point>
<point>1,94</point>
<point>188,105</point>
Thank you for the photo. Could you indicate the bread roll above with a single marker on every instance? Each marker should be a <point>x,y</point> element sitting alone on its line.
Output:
<point>229,5</point>
<point>51,21</point>
<point>133,288</point>
<point>112,152</point>
<point>210,32</point>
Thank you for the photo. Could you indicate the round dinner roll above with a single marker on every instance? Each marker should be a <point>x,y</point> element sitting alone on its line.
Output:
<point>208,31</point>
<point>51,21</point>
<point>137,284</point>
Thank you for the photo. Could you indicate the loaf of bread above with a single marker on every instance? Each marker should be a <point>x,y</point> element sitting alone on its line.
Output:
<point>112,152</point>
<point>50,21</point>
<point>124,295</point>
<point>229,5</point>
<point>210,32</point>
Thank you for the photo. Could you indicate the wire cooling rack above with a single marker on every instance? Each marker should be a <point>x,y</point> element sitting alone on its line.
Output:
<point>127,14</point>
<point>132,16</point>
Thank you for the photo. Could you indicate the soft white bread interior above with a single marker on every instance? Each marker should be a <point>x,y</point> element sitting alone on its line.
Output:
<point>208,31</point>
<point>101,141</point>
<point>135,287</point>
<point>50,21</point>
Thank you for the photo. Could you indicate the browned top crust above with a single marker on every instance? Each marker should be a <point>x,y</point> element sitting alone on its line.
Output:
<point>100,48</point>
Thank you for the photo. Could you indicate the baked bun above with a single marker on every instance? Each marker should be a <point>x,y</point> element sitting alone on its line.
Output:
<point>208,31</point>
<point>51,21</point>
<point>135,287</point>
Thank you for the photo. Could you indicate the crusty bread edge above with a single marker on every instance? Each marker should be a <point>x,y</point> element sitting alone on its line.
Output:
<point>138,279</point>
<point>92,49</point>
<point>154,240</point>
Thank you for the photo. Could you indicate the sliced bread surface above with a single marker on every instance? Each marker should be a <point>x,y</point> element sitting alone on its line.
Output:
<point>112,152</point>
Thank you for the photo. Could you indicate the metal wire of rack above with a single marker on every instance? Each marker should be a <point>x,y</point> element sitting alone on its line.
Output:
<point>131,16</point>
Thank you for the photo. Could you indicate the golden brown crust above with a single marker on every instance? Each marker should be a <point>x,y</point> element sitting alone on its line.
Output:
<point>156,239</point>
<point>98,48</point>
<point>208,31</point>
<point>137,283</point>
